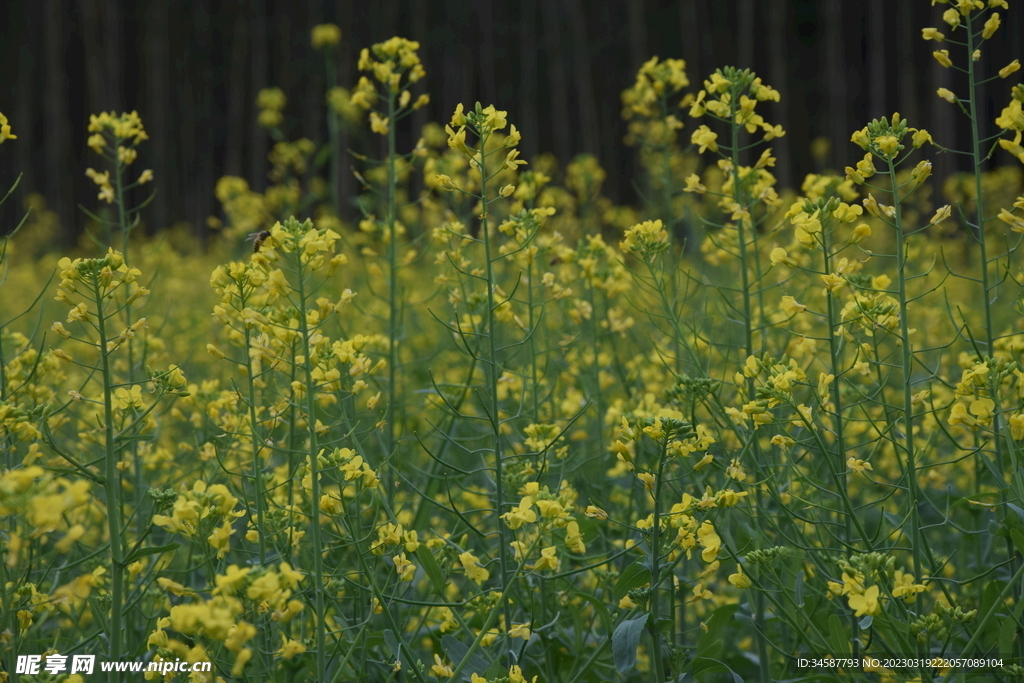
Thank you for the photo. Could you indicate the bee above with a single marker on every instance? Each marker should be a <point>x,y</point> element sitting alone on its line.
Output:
<point>258,239</point>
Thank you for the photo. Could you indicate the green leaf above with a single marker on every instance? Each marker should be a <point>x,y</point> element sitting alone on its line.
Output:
<point>798,588</point>
<point>153,550</point>
<point>702,664</point>
<point>711,640</point>
<point>602,611</point>
<point>430,566</point>
<point>456,652</point>
<point>837,636</point>
<point>392,643</point>
<point>496,671</point>
<point>634,576</point>
<point>624,642</point>
<point>1018,539</point>
<point>1007,630</point>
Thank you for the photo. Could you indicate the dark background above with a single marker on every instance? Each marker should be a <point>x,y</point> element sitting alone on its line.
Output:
<point>192,69</point>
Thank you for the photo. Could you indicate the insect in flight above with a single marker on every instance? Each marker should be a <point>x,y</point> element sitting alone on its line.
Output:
<point>258,238</point>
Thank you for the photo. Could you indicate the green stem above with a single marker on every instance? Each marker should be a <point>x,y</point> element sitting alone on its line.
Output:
<point>976,159</point>
<point>734,129</point>
<point>392,299</point>
<point>908,363</point>
<point>314,473</point>
<point>838,423</point>
<point>111,488</point>
<point>492,381</point>
<point>652,622</point>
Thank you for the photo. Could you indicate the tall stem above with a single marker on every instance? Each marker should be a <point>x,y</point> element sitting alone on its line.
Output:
<point>314,473</point>
<point>976,159</point>
<point>111,489</point>
<point>908,367</point>
<point>652,622</point>
<point>492,381</point>
<point>748,340</point>
<point>838,424</point>
<point>392,297</point>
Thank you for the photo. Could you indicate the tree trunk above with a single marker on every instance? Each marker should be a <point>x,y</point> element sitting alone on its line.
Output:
<point>557,84</point>
<point>836,81</point>
<point>778,77</point>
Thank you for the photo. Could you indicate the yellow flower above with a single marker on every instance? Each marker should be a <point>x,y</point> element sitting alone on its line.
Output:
<point>573,538</point>
<point>739,579</point>
<point>942,214</point>
<point>847,213</point>
<point>126,398</point>
<point>946,95</point>
<point>520,631</point>
<point>861,138</point>
<point>932,34</point>
<point>473,569</point>
<point>5,130</point>
<point>887,144</point>
<point>648,480</point>
<point>404,568</point>
<point>864,603</point>
<point>833,282</point>
<point>991,26</point>
<point>920,137</point>
<point>440,669</point>
<point>780,255</point>
<point>1017,426</point>
<point>523,514</point>
<point>858,465</point>
<point>377,124</point>
<point>325,35</point>
<point>693,184</point>
<point>860,232</point>
<point>904,587</point>
<point>548,559</point>
<point>942,57</point>
<point>705,138</point>
<point>791,306</point>
<point>290,648</point>
<point>710,540</point>
<point>1010,68</point>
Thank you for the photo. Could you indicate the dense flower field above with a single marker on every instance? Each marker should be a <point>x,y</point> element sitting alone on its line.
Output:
<point>505,430</point>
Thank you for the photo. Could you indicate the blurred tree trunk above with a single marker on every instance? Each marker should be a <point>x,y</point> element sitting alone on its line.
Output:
<point>611,154</point>
<point>691,43</point>
<point>236,92</point>
<point>23,120</point>
<point>779,78</point>
<point>557,83</point>
<point>527,101</point>
<point>745,35</point>
<point>637,24</point>
<point>587,105</point>
<point>258,144</point>
<point>346,79</point>
<point>907,39</point>
<point>57,141</point>
<point>203,152</point>
<point>836,81</point>
<point>485,25</point>
<point>157,119</point>
<point>876,59</point>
